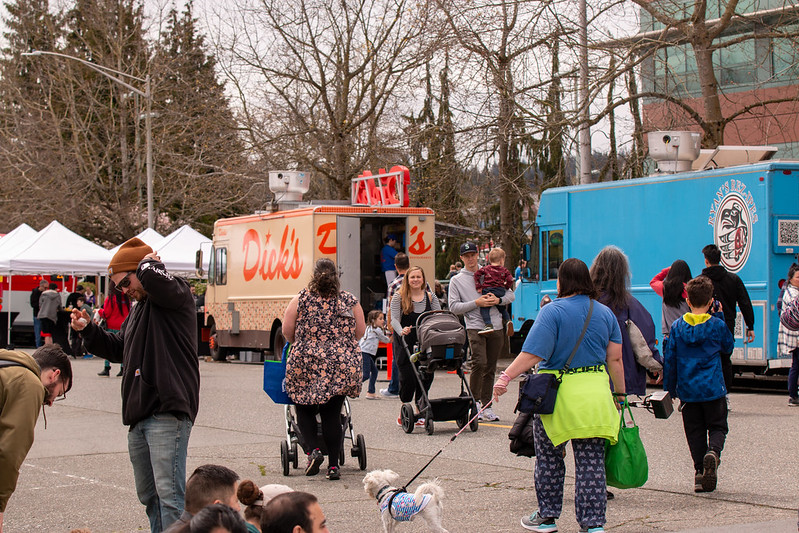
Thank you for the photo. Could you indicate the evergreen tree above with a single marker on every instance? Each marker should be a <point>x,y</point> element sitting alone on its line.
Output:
<point>202,171</point>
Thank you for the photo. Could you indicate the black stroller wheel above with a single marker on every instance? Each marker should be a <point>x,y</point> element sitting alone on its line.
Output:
<point>361,452</point>
<point>474,425</point>
<point>341,456</point>
<point>406,416</point>
<point>284,457</point>
<point>462,420</point>
<point>295,459</point>
<point>428,425</point>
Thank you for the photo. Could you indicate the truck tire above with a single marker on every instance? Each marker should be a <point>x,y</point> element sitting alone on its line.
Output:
<point>218,353</point>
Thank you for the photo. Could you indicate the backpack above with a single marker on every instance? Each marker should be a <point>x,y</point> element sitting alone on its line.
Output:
<point>789,314</point>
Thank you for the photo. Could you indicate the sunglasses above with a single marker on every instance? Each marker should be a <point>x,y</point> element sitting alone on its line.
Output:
<point>124,282</point>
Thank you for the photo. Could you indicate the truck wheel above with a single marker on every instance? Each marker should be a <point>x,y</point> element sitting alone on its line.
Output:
<point>218,353</point>
<point>277,344</point>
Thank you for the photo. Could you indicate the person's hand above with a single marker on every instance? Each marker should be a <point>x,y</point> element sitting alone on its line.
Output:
<point>658,377</point>
<point>620,399</point>
<point>750,336</point>
<point>80,319</point>
<point>487,300</point>
<point>406,330</point>
<point>501,386</point>
<point>152,255</point>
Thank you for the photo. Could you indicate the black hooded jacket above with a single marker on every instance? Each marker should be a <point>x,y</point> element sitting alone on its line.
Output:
<point>157,346</point>
<point>729,290</point>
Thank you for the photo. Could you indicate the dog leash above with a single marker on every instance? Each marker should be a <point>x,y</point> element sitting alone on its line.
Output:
<point>404,488</point>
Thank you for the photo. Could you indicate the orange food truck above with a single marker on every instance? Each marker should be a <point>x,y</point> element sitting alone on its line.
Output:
<point>259,262</point>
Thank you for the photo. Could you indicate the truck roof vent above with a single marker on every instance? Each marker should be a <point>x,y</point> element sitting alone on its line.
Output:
<point>674,151</point>
<point>288,186</point>
<point>730,156</point>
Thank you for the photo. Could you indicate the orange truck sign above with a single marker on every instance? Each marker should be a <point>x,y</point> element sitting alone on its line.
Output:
<point>259,262</point>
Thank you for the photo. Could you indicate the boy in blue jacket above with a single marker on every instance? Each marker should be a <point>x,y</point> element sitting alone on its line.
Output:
<point>692,373</point>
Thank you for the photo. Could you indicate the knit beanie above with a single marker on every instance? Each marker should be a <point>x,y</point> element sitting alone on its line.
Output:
<point>128,256</point>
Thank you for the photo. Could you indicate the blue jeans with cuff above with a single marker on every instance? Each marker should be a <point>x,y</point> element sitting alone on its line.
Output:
<point>158,446</point>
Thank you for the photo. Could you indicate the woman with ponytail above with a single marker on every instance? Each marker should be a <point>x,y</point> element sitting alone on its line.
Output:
<point>324,324</point>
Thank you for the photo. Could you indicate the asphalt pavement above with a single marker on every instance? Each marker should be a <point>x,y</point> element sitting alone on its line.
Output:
<point>78,474</point>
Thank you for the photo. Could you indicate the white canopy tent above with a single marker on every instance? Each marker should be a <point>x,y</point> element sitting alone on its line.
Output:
<point>54,250</point>
<point>57,250</point>
<point>14,241</point>
<point>178,251</point>
<point>148,236</point>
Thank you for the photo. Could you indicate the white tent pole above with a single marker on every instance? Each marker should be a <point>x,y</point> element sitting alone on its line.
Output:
<point>8,310</point>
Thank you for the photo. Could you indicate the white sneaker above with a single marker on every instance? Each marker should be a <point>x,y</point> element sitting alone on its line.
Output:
<point>729,407</point>
<point>479,407</point>
<point>490,415</point>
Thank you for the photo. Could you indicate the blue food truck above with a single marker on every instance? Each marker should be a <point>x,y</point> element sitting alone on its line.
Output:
<point>750,211</point>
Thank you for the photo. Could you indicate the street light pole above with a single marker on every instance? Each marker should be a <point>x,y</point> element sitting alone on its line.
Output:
<point>148,98</point>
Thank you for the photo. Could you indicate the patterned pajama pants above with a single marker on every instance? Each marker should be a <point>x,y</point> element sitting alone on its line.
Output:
<point>590,496</point>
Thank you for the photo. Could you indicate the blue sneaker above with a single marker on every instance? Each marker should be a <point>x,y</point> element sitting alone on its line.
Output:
<point>536,522</point>
<point>598,529</point>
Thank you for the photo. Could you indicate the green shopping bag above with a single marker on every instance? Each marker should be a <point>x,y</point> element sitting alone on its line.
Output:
<point>625,462</point>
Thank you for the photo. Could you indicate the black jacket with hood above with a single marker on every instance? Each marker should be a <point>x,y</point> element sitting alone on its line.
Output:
<point>729,290</point>
<point>157,346</point>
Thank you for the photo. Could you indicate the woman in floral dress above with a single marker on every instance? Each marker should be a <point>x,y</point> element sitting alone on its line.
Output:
<point>324,366</point>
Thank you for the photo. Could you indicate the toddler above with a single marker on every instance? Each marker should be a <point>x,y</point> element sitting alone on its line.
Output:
<point>494,279</point>
<point>375,321</point>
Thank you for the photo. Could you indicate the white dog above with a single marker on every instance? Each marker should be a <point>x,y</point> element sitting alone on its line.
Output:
<point>425,502</point>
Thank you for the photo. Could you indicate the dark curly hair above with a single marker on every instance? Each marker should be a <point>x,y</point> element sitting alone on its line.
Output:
<point>325,281</point>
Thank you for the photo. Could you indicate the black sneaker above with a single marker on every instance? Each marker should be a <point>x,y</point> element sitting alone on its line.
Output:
<point>710,474</point>
<point>698,481</point>
<point>119,374</point>
<point>333,473</point>
<point>793,402</point>
<point>106,372</point>
<point>315,459</point>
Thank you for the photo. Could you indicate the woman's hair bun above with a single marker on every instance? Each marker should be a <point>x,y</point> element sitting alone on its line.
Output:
<point>248,492</point>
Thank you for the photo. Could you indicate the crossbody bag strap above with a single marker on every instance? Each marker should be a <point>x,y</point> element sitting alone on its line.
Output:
<point>580,340</point>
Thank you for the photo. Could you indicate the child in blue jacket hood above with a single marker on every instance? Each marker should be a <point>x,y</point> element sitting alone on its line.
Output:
<point>692,373</point>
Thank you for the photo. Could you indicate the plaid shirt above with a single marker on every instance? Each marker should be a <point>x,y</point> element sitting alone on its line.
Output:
<point>788,340</point>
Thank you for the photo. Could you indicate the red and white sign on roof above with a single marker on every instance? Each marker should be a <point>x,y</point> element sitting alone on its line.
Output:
<point>385,189</point>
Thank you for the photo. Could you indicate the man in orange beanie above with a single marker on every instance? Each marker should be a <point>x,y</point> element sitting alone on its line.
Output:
<point>157,346</point>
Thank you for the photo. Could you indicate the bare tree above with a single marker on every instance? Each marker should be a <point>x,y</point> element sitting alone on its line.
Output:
<point>319,80</point>
<point>689,35</point>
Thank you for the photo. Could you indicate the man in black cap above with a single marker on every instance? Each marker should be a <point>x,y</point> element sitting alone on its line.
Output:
<point>157,346</point>
<point>465,300</point>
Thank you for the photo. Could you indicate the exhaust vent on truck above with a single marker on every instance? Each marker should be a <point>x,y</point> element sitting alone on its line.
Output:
<point>674,151</point>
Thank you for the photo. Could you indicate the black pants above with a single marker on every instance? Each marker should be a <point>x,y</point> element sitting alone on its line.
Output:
<point>726,369</point>
<point>705,425</point>
<point>409,386</point>
<point>332,431</point>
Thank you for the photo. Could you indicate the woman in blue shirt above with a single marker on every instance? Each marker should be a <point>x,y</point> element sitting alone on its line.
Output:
<point>585,412</point>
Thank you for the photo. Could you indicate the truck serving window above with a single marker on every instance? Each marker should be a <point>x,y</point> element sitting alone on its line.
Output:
<point>219,268</point>
<point>552,251</point>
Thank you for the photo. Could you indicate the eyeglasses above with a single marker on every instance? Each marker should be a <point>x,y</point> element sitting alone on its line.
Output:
<point>124,282</point>
<point>63,393</point>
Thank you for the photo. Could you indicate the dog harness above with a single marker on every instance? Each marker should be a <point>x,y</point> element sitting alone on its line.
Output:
<point>404,506</point>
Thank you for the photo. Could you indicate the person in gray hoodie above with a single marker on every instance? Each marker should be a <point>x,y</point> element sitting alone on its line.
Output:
<point>49,306</point>
<point>465,300</point>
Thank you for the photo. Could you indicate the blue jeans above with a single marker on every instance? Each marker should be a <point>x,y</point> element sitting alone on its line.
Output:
<point>369,371</point>
<point>793,375</point>
<point>37,332</point>
<point>485,312</point>
<point>157,447</point>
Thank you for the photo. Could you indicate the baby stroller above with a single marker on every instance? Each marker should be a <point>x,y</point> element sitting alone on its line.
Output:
<point>441,338</point>
<point>274,386</point>
<point>288,448</point>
